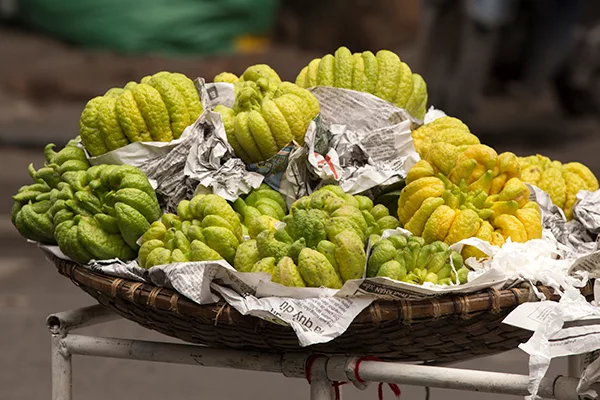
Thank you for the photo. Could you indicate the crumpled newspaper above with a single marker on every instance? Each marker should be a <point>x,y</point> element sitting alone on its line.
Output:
<point>210,163</point>
<point>573,237</point>
<point>569,326</point>
<point>586,210</point>
<point>359,141</point>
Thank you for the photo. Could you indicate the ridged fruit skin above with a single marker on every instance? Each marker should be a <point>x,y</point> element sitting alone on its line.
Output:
<point>159,108</point>
<point>268,114</point>
<point>381,74</point>
<point>561,181</point>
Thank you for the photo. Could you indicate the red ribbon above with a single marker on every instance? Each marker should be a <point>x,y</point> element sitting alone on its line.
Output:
<point>336,385</point>
<point>393,387</point>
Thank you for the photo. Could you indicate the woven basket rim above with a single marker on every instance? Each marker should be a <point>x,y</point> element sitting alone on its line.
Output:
<point>162,298</point>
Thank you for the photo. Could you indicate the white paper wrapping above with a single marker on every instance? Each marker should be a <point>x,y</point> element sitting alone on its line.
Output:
<point>586,210</point>
<point>359,141</point>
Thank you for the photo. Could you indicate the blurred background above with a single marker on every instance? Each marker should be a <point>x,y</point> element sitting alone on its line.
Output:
<point>523,74</point>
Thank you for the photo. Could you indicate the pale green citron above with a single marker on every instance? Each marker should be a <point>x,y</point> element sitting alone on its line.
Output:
<point>326,72</point>
<point>389,75</point>
<point>179,115</point>
<point>228,118</point>
<point>371,70</point>
<point>244,137</point>
<point>277,123</point>
<point>262,134</point>
<point>311,74</point>
<point>343,68</point>
<point>130,118</point>
<point>89,128</point>
<point>405,86</point>
<point>112,133</point>
<point>154,112</point>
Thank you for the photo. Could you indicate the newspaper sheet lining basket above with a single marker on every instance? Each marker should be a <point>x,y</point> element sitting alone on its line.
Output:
<point>437,331</point>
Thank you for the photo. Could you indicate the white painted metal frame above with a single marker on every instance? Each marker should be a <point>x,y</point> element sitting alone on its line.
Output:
<point>324,370</point>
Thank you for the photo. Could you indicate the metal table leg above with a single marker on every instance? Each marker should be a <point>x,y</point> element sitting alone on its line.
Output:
<point>322,369</point>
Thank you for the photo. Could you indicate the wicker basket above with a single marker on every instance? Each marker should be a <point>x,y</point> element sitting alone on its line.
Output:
<point>442,330</point>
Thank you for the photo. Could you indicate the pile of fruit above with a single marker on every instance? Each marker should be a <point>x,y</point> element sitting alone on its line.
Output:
<point>267,115</point>
<point>158,109</point>
<point>460,188</point>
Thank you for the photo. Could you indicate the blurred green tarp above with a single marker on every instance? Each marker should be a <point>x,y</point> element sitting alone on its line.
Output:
<point>171,27</point>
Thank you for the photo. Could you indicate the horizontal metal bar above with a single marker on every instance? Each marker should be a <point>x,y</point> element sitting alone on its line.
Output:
<point>172,353</point>
<point>63,322</point>
<point>562,388</point>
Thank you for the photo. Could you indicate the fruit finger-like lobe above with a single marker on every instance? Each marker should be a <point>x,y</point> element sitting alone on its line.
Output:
<point>484,155</point>
<point>246,256</point>
<point>371,70</point>
<point>112,133</point>
<point>465,224</point>
<point>515,189</point>
<point>311,73</point>
<point>132,224</point>
<point>228,118</point>
<point>532,221</point>
<point>89,128</point>
<point>392,269</point>
<point>68,242</point>
<point>591,182</point>
<point>245,138</point>
<point>463,170</point>
<point>498,183</point>
<point>154,112</point>
<point>484,182</point>
<point>552,182</point>
<point>158,256</point>
<point>199,251</point>
<point>222,240</point>
<point>301,78</point>
<point>420,170</point>
<point>186,87</point>
<point>405,86</point>
<point>179,115</point>
<point>102,245</point>
<point>508,163</point>
<point>296,118</point>
<point>532,174</point>
<point>442,156</point>
<point>573,183</point>
<point>343,68</point>
<point>308,98</point>
<point>417,103</point>
<point>416,224</point>
<point>316,270</point>
<point>389,75</point>
<point>326,71</point>
<point>287,273</point>
<point>359,79</point>
<point>146,249</point>
<point>350,255</point>
<point>226,77</point>
<point>484,233</point>
<point>510,226</point>
<point>413,202</point>
<point>262,134</point>
<point>277,123</point>
<point>258,71</point>
<point>131,119</point>
<point>438,225</point>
